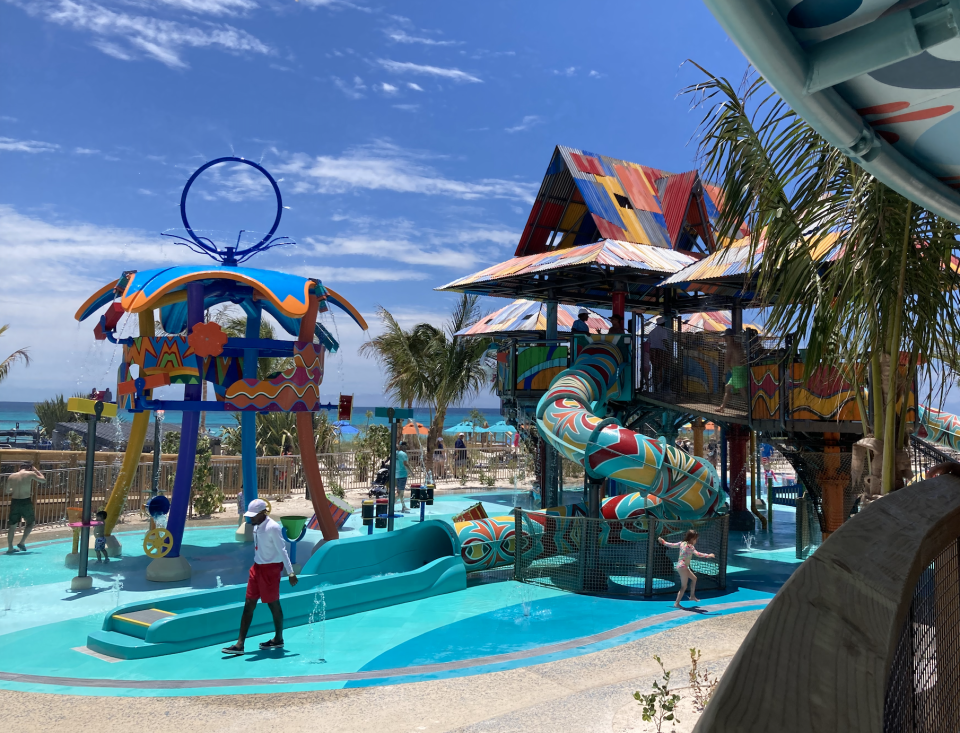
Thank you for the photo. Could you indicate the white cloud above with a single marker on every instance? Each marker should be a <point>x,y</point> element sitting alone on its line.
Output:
<point>407,107</point>
<point>145,192</point>
<point>384,166</point>
<point>569,71</point>
<point>85,151</point>
<point>7,118</point>
<point>234,182</point>
<point>414,87</point>
<point>526,123</point>
<point>402,37</point>
<point>397,249</point>
<point>161,40</point>
<point>26,146</point>
<point>595,74</point>
<point>354,90</point>
<point>209,7</point>
<point>406,67</point>
<point>361,274</point>
<point>388,88</point>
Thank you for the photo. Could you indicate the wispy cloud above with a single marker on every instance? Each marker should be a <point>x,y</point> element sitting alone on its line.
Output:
<point>388,89</point>
<point>385,166</point>
<point>595,74</point>
<point>406,67</point>
<point>569,71</point>
<point>361,274</point>
<point>26,146</point>
<point>407,107</point>
<point>201,7</point>
<point>526,123</point>
<point>352,90</point>
<point>234,182</point>
<point>400,36</point>
<point>128,37</point>
<point>85,151</point>
<point>414,87</point>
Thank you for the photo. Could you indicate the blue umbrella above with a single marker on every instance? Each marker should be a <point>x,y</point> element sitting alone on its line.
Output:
<point>345,428</point>
<point>501,427</point>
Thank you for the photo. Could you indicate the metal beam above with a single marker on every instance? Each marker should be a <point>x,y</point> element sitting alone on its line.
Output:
<point>881,43</point>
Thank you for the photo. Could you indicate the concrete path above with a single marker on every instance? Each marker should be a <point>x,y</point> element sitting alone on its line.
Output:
<point>589,693</point>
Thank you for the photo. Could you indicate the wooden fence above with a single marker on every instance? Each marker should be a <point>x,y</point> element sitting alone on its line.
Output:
<point>277,476</point>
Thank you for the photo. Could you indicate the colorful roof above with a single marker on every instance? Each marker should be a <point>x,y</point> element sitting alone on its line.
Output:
<point>530,316</point>
<point>609,253</point>
<point>284,296</point>
<point>714,322</point>
<point>585,197</point>
<point>726,270</point>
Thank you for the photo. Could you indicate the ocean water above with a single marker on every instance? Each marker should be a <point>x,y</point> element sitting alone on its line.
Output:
<point>14,414</point>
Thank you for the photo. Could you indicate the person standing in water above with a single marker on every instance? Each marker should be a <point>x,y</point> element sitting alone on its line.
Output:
<point>688,549</point>
<point>263,584</point>
<point>20,489</point>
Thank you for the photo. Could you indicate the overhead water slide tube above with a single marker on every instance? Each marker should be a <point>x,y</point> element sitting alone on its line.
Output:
<point>674,484</point>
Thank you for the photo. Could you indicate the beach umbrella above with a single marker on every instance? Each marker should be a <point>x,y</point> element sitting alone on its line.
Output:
<point>464,427</point>
<point>419,429</point>
<point>501,427</point>
<point>345,428</point>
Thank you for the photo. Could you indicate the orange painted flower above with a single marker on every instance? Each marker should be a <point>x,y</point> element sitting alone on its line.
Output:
<point>207,340</point>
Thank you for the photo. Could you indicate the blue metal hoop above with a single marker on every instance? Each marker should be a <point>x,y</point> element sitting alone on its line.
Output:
<point>228,159</point>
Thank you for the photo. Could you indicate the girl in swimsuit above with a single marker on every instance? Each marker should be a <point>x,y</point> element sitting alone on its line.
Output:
<point>687,551</point>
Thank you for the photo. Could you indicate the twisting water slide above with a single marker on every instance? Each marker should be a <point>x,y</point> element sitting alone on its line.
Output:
<point>669,483</point>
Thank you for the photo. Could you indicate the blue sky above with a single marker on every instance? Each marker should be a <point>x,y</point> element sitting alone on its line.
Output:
<point>408,138</point>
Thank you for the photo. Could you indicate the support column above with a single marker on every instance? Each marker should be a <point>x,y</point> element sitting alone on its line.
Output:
<point>248,426</point>
<point>698,426</point>
<point>741,520</point>
<point>173,567</point>
<point>833,481</point>
<point>550,491</point>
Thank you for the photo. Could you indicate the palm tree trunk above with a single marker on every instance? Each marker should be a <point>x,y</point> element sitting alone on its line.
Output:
<point>896,318</point>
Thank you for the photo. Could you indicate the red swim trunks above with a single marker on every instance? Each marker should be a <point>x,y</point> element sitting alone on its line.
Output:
<point>264,582</point>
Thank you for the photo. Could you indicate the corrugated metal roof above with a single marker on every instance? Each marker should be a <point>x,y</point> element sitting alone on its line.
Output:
<point>734,261</point>
<point>676,201</point>
<point>530,316</point>
<point>612,253</point>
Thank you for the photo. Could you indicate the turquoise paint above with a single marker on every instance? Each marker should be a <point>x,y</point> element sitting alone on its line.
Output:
<point>354,575</point>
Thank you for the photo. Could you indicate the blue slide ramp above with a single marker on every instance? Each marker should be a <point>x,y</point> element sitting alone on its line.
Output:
<point>356,574</point>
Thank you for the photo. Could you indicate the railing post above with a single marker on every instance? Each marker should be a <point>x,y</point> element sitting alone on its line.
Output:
<point>652,531</point>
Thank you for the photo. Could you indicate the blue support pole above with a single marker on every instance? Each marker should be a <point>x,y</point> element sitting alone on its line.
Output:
<point>723,460</point>
<point>248,420</point>
<point>189,429</point>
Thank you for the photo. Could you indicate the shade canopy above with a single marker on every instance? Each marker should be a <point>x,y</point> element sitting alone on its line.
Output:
<point>418,429</point>
<point>501,427</point>
<point>283,296</point>
<point>345,428</point>
<point>464,427</point>
<point>530,317</point>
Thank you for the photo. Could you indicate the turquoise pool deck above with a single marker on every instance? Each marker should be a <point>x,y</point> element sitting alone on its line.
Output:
<point>487,627</point>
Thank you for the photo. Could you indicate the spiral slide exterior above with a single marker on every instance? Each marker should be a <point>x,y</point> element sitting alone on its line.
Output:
<point>942,427</point>
<point>673,485</point>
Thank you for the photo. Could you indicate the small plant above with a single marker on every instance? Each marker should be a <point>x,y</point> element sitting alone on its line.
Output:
<point>660,705</point>
<point>170,443</point>
<point>75,440</point>
<point>701,683</point>
<point>207,496</point>
<point>337,490</point>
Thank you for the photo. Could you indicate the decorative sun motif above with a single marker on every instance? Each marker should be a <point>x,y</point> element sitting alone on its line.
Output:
<point>207,340</point>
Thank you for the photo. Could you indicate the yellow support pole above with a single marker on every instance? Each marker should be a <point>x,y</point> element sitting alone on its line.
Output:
<point>131,458</point>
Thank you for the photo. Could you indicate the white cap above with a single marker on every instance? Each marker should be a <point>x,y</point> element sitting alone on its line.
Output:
<point>255,507</point>
<point>583,312</point>
<point>661,321</point>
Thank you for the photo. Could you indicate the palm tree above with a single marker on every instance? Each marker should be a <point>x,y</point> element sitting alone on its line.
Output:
<point>857,270</point>
<point>428,365</point>
<point>19,355</point>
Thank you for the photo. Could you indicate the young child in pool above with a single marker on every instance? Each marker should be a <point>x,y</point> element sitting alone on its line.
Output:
<point>100,543</point>
<point>687,551</point>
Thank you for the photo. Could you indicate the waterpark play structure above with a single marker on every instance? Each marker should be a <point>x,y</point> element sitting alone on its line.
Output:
<point>194,351</point>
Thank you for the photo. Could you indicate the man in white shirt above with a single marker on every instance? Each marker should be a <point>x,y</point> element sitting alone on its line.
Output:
<point>269,559</point>
<point>20,487</point>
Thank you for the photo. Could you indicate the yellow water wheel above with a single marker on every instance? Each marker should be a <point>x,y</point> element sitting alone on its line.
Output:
<point>269,505</point>
<point>157,543</point>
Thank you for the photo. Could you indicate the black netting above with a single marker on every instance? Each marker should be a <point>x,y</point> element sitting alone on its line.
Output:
<point>617,557</point>
<point>923,687</point>
<point>703,371</point>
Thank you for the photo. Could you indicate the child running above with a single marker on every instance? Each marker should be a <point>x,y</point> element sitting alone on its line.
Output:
<point>687,551</point>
